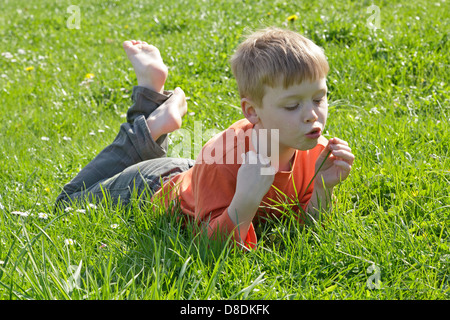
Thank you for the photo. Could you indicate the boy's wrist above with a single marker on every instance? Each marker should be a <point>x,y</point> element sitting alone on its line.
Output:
<point>242,208</point>
<point>323,192</point>
<point>320,200</point>
<point>319,186</point>
<point>245,203</point>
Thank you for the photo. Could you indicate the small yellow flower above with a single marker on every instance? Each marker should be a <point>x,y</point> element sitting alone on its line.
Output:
<point>47,189</point>
<point>126,27</point>
<point>29,68</point>
<point>89,76</point>
<point>292,18</point>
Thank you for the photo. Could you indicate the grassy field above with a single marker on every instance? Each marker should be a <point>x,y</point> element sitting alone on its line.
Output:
<point>64,92</point>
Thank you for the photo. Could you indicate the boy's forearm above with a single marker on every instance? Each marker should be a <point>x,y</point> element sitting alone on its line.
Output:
<point>320,201</point>
<point>241,211</point>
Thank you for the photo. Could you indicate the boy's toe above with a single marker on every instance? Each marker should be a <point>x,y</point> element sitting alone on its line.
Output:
<point>127,44</point>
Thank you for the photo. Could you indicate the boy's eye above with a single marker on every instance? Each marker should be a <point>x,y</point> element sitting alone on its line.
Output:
<point>291,108</point>
<point>319,101</point>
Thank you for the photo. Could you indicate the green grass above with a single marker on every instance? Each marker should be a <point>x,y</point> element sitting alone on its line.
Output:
<point>389,98</point>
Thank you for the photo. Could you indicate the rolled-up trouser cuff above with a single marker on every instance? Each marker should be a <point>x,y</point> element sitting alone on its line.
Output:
<point>145,101</point>
<point>144,143</point>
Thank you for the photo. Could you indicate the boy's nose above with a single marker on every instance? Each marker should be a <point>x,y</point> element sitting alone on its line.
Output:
<point>310,113</point>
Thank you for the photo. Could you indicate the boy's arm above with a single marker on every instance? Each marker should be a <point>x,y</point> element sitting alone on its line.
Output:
<point>241,211</point>
<point>251,186</point>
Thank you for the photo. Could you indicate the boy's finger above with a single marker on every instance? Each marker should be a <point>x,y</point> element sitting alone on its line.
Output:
<point>249,158</point>
<point>343,165</point>
<point>268,171</point>
<point>338,141</point>
<point>344,155</point>
<point>340,147</point>
<point>324,154</point>
<point>265,161</point>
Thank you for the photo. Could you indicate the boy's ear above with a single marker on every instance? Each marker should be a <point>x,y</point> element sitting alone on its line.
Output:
<point>249,110</point>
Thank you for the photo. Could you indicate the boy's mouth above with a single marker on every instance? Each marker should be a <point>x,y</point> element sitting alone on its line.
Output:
<point>314,133</point>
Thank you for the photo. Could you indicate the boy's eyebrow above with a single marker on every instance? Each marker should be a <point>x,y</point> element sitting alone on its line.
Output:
<point>297,95</point>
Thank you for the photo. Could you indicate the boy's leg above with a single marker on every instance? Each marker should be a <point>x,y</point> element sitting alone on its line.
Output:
<point>143,178</point>
<point>132,144</point>
<point>144,135</point>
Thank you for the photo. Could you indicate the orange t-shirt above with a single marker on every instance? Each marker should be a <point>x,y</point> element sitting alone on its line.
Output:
<point>205,191</point>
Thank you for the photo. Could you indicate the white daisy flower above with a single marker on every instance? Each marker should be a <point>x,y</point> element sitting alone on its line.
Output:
<point>374,110</point>
<point>20,213</point>
<point>43,215</point>
<point>7,55</point>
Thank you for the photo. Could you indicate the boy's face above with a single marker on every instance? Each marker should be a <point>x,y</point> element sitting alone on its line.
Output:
<point>298,112</point>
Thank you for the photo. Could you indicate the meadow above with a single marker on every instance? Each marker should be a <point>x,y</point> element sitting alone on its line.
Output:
<point>65,85</point>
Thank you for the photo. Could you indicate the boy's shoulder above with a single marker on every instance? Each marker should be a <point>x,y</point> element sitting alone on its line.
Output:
<point>242,124</point>
<point>227,146</point>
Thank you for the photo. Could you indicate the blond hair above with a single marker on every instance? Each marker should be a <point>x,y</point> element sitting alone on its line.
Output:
<point>275,56</point>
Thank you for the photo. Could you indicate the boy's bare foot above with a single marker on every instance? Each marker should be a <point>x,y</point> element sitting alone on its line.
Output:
<point>151,72</point>
<point>167,117</point>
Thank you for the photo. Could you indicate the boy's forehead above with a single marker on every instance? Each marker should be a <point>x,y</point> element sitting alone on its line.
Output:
<point>306,86</point>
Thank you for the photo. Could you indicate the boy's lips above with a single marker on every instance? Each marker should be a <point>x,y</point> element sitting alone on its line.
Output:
<point>314,133</point>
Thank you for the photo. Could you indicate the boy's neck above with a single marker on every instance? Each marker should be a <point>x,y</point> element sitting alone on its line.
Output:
<point>285,158</point>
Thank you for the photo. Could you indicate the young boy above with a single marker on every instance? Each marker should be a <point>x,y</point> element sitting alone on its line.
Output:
<point>273,153</point>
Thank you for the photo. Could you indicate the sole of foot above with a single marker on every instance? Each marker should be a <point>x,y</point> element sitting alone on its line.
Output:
<point>151,72</point>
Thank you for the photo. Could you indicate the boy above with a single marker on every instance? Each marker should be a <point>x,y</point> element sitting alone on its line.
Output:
<point>281,81</point>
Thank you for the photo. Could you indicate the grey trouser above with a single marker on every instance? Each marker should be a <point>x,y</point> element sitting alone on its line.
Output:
<point>133,162</point>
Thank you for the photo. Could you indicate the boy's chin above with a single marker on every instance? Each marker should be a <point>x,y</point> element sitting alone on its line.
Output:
<point>307,146</point>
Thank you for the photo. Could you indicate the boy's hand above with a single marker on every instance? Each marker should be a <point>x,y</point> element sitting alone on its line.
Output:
<point>255,176</point>
<point>337,166</point>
